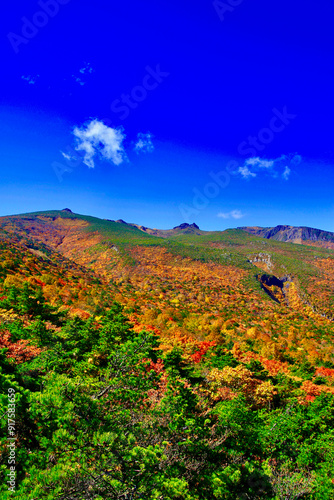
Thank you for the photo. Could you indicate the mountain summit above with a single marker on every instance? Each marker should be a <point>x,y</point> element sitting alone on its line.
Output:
<point>186,226</point>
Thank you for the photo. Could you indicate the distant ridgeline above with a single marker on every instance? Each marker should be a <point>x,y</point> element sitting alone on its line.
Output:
<point>291,234</point>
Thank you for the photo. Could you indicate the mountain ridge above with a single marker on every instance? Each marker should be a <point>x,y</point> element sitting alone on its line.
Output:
<point>293,234</point>
<point>281,232</point>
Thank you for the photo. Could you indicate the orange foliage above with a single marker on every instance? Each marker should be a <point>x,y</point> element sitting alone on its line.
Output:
<point>203,349</point>
<point>312,391</point>
<point>76,311</point>
<point>325,372</point>
<point>21,351</point>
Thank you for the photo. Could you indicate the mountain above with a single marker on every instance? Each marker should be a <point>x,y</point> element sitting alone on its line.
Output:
<point>307,235</point>
<point>165,233</point>
<point>123,252</point>
<point>165,362</point>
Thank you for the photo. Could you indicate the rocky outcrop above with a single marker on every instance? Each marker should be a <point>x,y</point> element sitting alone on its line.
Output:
<point>261,258</point>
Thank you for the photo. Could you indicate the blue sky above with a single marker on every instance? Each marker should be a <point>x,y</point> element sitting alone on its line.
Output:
<point>218,113</point>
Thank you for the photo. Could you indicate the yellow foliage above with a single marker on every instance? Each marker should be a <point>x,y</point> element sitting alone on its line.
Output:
<point>264,394</point>
<point>240,378</point>
<point>14,280</point>
<point>251,332</point>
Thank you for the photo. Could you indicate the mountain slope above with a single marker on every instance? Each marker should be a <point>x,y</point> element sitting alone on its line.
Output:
<point>217,272</point>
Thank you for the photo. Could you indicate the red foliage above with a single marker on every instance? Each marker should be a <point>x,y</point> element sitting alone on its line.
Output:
<point>20,351</point>
<point>274,366</point>
<point>155,395</point>
<point>138,327</point>
<point>203,349</point>
<point>40,283</point>
<point>311,390</point>
<point>158,367</point>
<point>325,372</point>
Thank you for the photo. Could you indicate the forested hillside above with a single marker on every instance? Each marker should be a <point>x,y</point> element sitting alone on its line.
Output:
<point>191,365</point>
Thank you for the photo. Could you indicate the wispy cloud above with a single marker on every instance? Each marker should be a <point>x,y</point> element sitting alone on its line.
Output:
<point>84,71</point>
<point>87,68</point>
<point>296,159</point>
<point>245,172</point>
<point>276,167</point>
<point>144,143</point>
<point>30,79</point>
<point>234,214</point>
<point>78,80</point>
<point>68,157</point>
<point>286,173</point>
<point>95,139</point>
<point>259,162</point>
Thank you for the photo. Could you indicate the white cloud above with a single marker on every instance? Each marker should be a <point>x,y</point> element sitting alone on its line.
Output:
<point>144,143</point>
<point>246,173</point>
<point>255,165</point>
<point>234,214</point>
<point>259,162</point>
<point>286,173</point>
<point>66,156</point>
<point>96,139</point>
<point>30,79</point>
<point>70,157</point>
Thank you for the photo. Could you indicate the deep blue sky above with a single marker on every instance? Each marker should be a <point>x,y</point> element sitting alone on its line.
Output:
<point>222,82</point>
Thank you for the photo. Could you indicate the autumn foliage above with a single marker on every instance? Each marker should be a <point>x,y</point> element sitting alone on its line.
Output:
<point>19,351</point>
<point>165,367</point>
